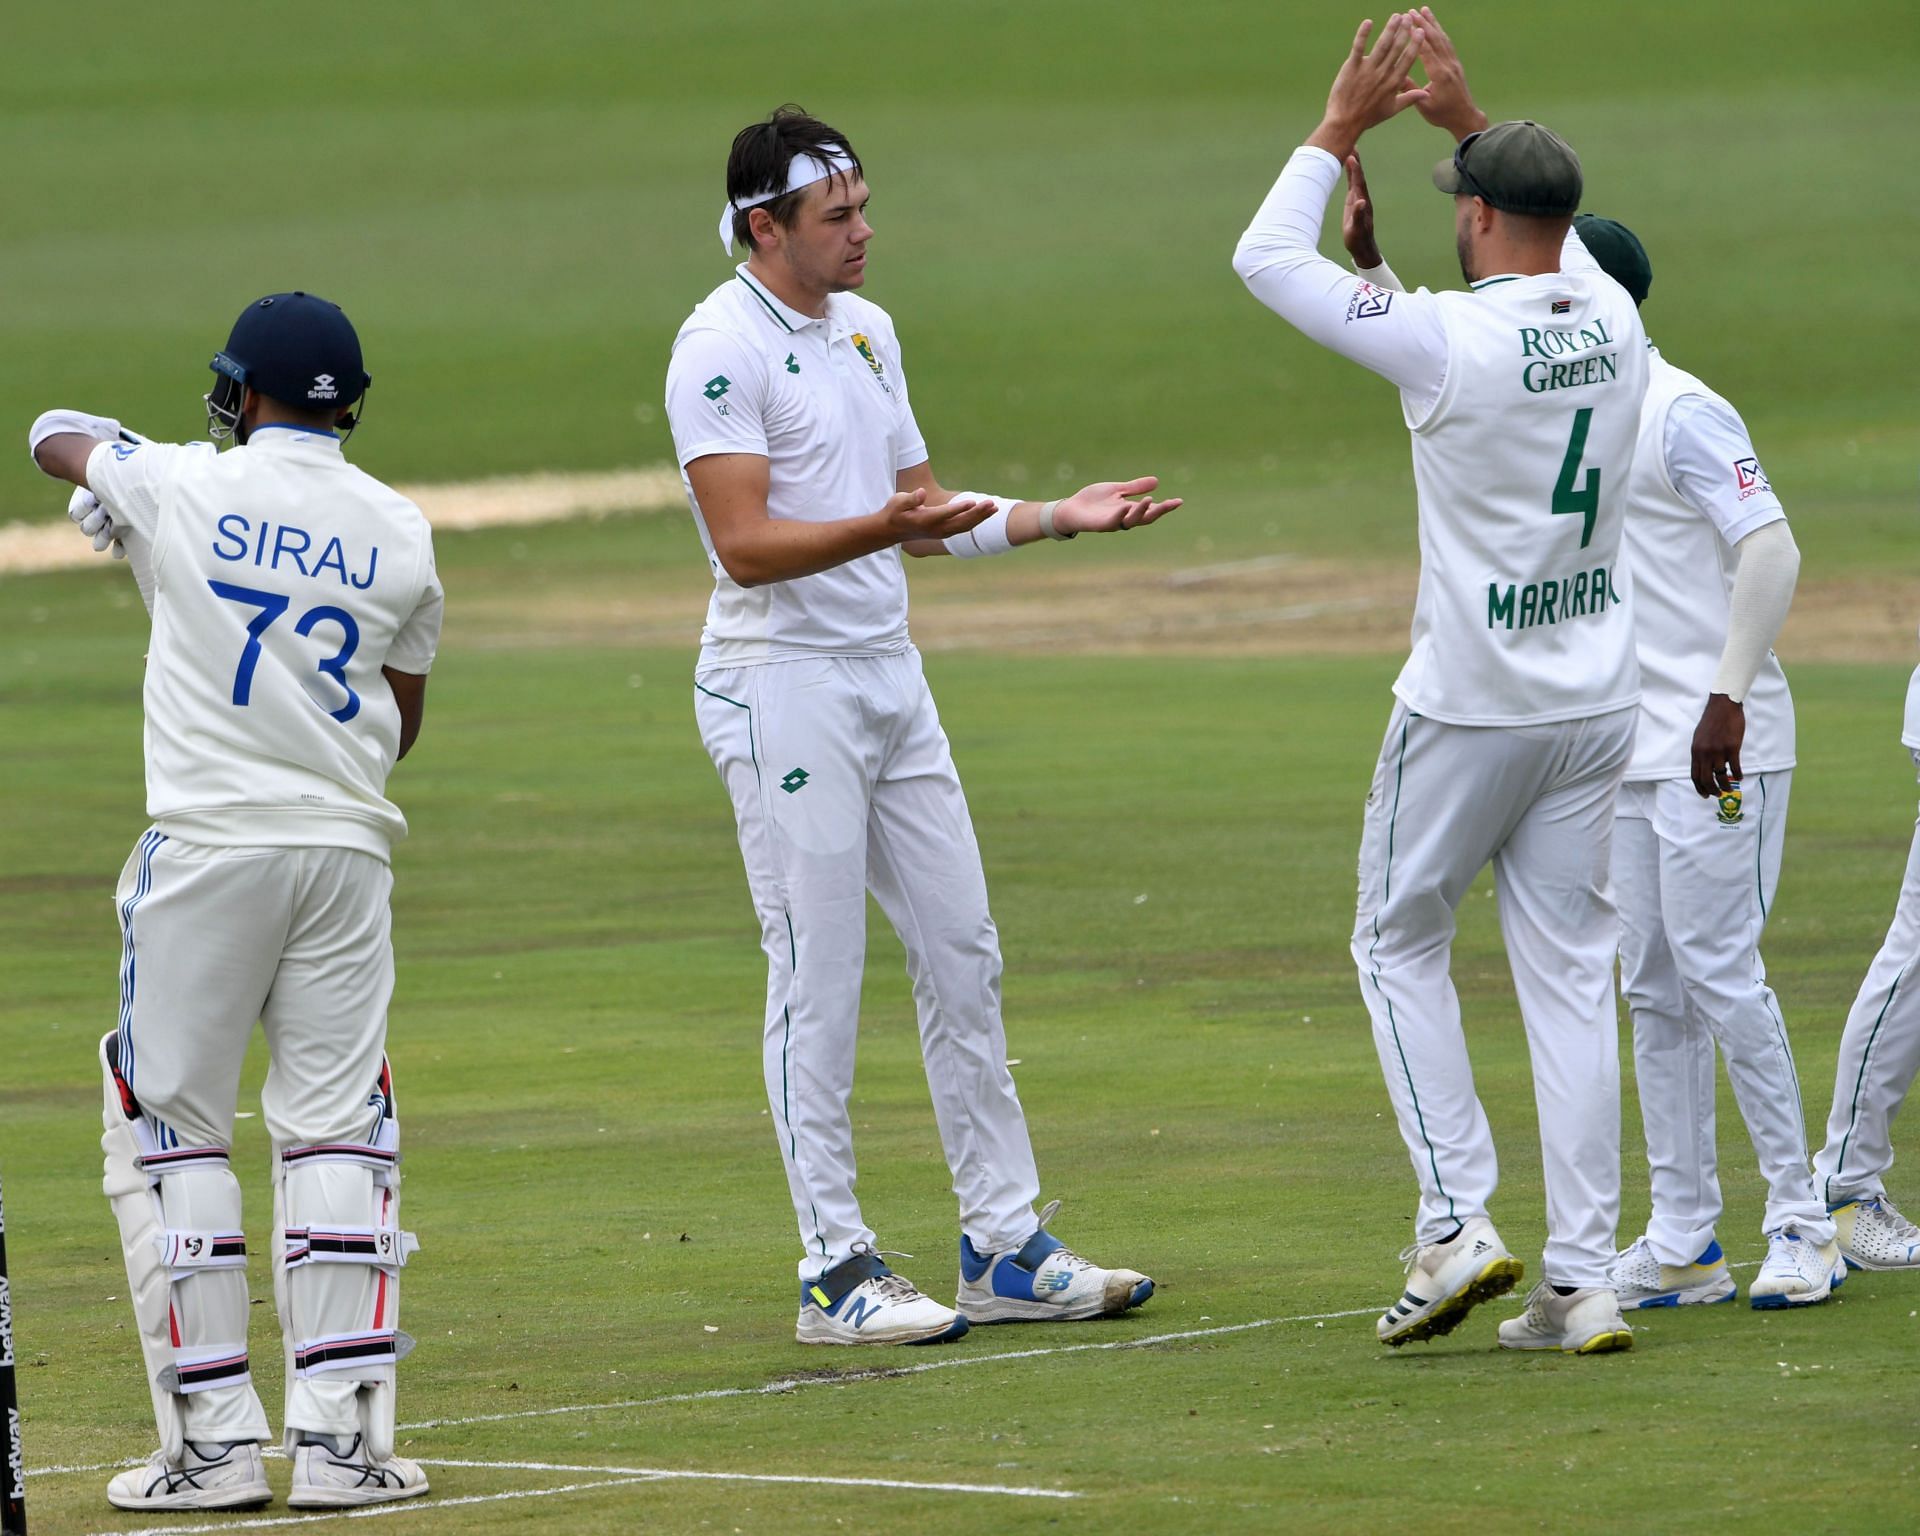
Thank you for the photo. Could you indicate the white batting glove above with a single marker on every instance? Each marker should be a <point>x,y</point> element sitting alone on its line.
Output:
<point>95,521</point>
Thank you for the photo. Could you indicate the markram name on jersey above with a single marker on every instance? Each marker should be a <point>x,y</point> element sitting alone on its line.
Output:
<point>282,580</point>
<point>1521,464</point>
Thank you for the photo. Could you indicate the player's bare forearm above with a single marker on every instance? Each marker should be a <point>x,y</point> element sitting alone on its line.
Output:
<point>410,693</point>
<point>64,456</point>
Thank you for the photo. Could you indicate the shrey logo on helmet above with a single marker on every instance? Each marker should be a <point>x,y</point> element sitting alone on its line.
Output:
<point>323,388</point>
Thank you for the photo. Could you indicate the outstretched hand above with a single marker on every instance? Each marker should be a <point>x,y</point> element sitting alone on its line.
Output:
<point>908,517</point>
<point>1112,506</point>
<point>1356,219</point>
<point>1371,87</point>
<point>1448,103</point>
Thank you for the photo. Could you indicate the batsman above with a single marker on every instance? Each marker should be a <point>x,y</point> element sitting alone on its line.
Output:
<point>296,612</point>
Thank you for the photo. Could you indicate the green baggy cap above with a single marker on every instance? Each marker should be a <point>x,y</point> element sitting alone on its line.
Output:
<point>1619,251</point>
<point>1516,167</point>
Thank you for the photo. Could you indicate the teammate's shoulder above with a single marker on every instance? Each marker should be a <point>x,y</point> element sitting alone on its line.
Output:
<point>1677,382</point>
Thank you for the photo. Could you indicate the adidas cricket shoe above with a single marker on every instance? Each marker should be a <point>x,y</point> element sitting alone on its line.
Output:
<point>328,1477</point>
<point>1043,1281</point>
<point>1446,1281</point>
<point>1641,1279</point>
<point>1796,1272</point>
<point>1587,1322</point>
<point>861,1301</point>
<point>209,1475</point>
<point>1873,1235</point>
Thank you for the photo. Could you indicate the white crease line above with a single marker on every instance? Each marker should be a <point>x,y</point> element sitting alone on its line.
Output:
<point>1194,575</point>
<point>952,1362</point>
<point>374,1511</point>
<point>674,1474</point>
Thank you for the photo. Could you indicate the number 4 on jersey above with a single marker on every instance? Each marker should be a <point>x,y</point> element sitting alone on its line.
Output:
<point>1586,499</point>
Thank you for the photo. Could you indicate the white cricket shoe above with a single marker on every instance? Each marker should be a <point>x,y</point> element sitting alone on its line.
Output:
<point>209,1475</point>
<point>1796,1272</point>
<point>326,1478</point>
<point>1640,1278</point>
<point>1446,1281</point>
<point>1587,1322</point>
<point>1874,1235</point>
<point>861,1301</point>
<point>1043,1281</point>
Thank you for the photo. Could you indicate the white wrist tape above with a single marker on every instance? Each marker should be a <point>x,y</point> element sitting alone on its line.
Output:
<point>990,537</point>
<point>52,423</point>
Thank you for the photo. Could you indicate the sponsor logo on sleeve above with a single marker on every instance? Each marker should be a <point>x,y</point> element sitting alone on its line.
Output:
<point>1749,479</point>
<point>1368,301</point>
<point>125,451</point>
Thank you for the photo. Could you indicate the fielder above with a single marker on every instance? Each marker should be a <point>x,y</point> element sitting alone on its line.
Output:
<point>807,476</point>
<point>1696,862</point>
<point>1516,709</point>
<point>1879,1055</point>
<point>295,616</point>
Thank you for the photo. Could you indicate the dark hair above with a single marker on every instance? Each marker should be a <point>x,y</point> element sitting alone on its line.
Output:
<point>761,155</point>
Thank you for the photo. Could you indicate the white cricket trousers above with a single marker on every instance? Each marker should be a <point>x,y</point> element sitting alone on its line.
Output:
<point>842,782</point>
<point>1693,893</point>
<point>1537,801</point>
<point>214,939</point>
<point>1879,1055</point>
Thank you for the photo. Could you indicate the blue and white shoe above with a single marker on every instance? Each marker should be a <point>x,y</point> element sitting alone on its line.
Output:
<point>1796,1272</point>
<point>1043,1281</point>
<point>861,1301</point>
<point>1874,1235</point>
<point>1641,1279</point>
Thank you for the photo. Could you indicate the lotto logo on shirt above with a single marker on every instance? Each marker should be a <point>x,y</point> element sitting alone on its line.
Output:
<point>1749,478</point>
<point>1368,301</point>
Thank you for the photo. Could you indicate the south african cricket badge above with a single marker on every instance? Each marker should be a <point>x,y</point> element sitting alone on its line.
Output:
<point>1729,806</point>
<point>865,349</point>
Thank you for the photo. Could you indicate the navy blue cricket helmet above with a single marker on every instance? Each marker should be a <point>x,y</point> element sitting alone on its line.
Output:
<point>296,348</point>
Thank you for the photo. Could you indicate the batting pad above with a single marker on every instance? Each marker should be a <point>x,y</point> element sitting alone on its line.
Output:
<point>178,1209</point>
<point>338,1251</point>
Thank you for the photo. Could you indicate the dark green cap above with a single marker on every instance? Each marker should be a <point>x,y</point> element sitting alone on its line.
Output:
<point>1620,254</point>
<point>1516,167</point>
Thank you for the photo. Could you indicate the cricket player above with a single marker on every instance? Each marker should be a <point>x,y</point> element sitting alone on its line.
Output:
<point>295,616</point>
<point>1879,1055</point>
<point>1516,709</point>
<point>808,476</point>
<point>1696,862</point>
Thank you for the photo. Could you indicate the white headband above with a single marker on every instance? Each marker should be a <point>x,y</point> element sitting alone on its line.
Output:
<point>802,171</point>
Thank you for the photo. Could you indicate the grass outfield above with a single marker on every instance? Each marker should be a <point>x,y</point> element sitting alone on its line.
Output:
<point>1170,846</point>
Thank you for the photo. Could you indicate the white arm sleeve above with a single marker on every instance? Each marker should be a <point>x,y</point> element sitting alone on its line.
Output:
<point>1762,593</point>
<point>1382,276</point>
<point>1399,336</point>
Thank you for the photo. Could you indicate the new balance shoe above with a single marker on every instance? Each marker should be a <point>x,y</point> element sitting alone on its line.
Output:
<point>1641,1279</point>
<point>1796,1272</point>
<point>207,1476</point>
<point>1873,1235</point>
<point>1446,1281</point>
<point>335,1471</point>
<point>1586,1322</point>
<point>861,1301</point>
<point>1043,1281</point>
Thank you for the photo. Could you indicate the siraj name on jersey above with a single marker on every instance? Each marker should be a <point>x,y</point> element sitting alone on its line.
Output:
<point>1566,359</point>
<point>268,545</point>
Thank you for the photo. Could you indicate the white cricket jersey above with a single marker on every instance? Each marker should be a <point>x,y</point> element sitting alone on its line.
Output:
<point>1910,725</point>
<point>1696,491</point>
<point>825,403</point>
<point>1523,397</point>
<point>283,580</point>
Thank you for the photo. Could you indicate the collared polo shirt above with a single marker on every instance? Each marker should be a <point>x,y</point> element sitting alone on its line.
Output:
<point>824,401</point>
